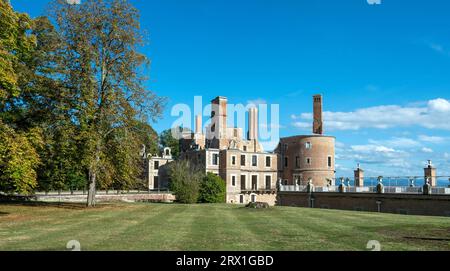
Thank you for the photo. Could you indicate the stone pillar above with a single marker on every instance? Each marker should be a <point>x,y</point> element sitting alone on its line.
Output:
<point>341,187</point>
<point>430,173</point>
<point>359,177</point>
<point>380,186</point>
<point>427,187</point>
<point>310,187</point>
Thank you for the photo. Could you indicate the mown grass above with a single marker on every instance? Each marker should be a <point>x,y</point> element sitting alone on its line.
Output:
<point>213,227</point>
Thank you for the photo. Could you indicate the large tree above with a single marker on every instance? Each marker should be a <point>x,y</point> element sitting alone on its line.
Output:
<point>104,72</point>
<point>18,141</point>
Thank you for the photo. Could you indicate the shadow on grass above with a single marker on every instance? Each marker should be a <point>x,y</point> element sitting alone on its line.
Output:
<point>427,238</point>
<point>3,213</point>
<point>62,205</point>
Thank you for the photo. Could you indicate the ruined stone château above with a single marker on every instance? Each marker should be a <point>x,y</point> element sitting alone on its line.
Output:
<point>250,173</point>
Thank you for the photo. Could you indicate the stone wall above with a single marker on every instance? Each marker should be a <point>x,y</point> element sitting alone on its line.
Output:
<point>146,197</point>
<point>433,205</point>
<point>246,198</point>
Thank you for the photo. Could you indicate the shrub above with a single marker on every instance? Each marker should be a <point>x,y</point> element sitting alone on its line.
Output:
<point>185,181</point>
<point>212,189</point>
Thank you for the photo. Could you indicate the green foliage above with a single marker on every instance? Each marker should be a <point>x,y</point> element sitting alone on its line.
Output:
<point>185,181</point>
<point>147,136</point>
<point>18,160</point>
<point>15,47</point>
<point>166,139</point>
<point>73,107</point>
<point>212,189</point>
<point>19,141</point>
<point>104,73</point>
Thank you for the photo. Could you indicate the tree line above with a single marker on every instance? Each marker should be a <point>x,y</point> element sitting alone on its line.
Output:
<point>74,106</point>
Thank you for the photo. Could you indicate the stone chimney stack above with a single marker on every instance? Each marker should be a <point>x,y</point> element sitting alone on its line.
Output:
<point>359,177</point>
<point>219,117</point>
<point>430,173</point>
<point>198,124</point>
<point>318,119</point>
<point>217,130</point>
<point>253,124</point>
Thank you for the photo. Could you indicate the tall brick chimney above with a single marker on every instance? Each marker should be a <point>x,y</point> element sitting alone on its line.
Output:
<point>219,117</point>
<point>253,123</point>
<point>198,124</point>
<point>318,119</point>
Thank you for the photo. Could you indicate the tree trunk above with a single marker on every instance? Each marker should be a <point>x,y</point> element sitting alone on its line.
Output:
<point>91,191</point>
<point>93,179</point>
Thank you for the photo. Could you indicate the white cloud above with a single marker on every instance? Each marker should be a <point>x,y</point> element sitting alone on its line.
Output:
<point>439,48</point>
<point>439,105</point>
<point>427,150</point>
<point>372,148</point>
<point>339,144</point>
<point>434,115</point>
<point>397,142</point>
<point>432,139</point>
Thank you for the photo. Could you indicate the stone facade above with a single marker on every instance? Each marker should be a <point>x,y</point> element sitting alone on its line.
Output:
<point>250,173</point>
<point>304,158</point>
<point>157,171</point>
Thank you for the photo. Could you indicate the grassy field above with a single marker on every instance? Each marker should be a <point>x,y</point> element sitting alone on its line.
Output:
<point>213,227</point>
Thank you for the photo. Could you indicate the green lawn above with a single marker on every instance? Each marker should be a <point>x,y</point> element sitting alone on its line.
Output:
<point>213,227</point>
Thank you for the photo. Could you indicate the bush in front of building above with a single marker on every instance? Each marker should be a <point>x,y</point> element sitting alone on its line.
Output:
<point>185,181</point>
<point>212,189</point>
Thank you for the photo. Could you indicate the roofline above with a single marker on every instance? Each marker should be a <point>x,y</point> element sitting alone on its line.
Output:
<point>306,136</point>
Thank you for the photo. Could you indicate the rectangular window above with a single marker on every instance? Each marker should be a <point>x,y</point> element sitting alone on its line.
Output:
<point>243,186</point>
<point>329,161</point>
<point>308,145</point>
<point>268,182</point>
<point>286,162</point>
<point>268,161</point>
<point>233,160</point>
<point>297,161</point>
<point>215,160</point>
<point>155,182</point>
<point>254,182</point>
<point>156,165</point>
<point>233,180</point>
<point>254,160</point>
<point>308,161</point>
<point>243,160</point>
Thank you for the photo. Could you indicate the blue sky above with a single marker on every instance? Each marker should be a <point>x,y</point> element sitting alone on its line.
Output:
<point>384,70</point>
